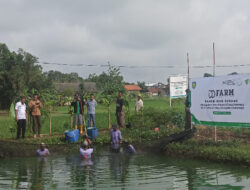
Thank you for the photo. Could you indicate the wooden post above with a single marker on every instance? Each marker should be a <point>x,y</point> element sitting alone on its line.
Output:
<point>215,130</point>
<point>109,116</point>
<point>188,75</point>
<point>50,118</point>
<point>71,121</point>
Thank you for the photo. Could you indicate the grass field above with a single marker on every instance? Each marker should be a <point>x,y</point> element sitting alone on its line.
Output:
<point>61,118</point>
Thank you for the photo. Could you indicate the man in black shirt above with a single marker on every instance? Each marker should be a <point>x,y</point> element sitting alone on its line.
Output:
<point>120,115</point>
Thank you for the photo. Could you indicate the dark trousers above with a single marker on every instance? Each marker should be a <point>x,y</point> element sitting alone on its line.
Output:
<point>21,127</point>
<point>36,124</point>
<point>120,117</point>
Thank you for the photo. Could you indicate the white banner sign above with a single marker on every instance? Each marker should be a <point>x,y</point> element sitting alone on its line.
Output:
<point>221,101</point>
<point>178,86</point>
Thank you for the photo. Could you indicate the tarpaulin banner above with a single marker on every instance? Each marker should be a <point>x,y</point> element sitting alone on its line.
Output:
<point>178,86</point>
<point>221,101</point>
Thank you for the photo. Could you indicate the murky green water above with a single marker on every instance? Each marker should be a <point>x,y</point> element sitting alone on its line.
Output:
<point>116,171</point>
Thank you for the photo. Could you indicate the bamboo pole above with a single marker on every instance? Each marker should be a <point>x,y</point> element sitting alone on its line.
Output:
<point>215,128</point>
<point>50,118</point>
<point>109,118</point>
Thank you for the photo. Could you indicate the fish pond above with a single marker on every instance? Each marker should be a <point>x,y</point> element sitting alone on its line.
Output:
<point>108,170</point>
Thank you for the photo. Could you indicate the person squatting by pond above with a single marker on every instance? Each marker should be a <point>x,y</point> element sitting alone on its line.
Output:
<point>42,151</point>
<point>78,105</point>
<point>21,117</point>
<point>120,115</point>
<point>115,138</point>
<point>139,103</point>
<point>91,105</point>
<point>35,105</point>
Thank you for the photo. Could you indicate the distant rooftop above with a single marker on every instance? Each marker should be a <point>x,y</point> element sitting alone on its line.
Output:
<point>132,87</point>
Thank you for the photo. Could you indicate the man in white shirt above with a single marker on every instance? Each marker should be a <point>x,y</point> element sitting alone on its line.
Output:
<point>21,116</point>
<point>139,103</point>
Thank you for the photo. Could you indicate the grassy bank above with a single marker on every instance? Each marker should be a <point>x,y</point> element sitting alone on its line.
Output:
<point>225,151</point>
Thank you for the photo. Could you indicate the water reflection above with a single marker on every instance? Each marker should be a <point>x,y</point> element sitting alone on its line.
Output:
<point>117,171</point>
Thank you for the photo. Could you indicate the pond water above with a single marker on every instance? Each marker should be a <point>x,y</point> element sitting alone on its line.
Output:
<point>117,171</point>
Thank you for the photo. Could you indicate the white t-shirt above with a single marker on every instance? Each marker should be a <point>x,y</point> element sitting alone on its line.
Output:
<point>139,105</point>
<point>21,110</point>
<point>86,153</point>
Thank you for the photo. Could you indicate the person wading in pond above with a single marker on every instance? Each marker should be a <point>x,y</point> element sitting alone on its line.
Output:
<point>128,148</point>
<point>115,138</point>
<point>120,115</point>
<point>35,105</point>
<point>21,117</point>
<point>79,112</point>
<point>91,105</point>
<point>139,104</point>
<point>42,151</point>
<point>86,150</point>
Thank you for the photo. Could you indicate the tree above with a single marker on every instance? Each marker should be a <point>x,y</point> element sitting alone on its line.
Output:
<point>110,84</point>
<point>207,75</point>
<point>143,86</point>
<point>19,74</point>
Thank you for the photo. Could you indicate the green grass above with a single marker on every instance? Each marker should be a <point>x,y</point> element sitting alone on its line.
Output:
<point>61,118</point>
<point>226,151</point>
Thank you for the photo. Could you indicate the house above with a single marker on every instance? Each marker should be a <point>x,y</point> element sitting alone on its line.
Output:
<point>157,89</point>
<point>153,92</point>
<point>132,88</point>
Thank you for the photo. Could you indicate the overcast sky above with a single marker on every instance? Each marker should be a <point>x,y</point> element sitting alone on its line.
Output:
<point>130,33</point>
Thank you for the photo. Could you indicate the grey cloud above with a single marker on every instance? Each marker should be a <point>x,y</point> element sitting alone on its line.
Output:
<point>132,32</point>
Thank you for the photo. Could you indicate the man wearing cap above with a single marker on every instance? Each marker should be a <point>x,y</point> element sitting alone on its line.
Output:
<point>115,138</point>
<point>139,103</point>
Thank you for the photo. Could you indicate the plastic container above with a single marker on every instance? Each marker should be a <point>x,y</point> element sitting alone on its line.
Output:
<point>72,135</point>
<point>92,133</point>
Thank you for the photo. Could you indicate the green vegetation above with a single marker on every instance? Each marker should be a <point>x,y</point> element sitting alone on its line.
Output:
<point>224,151</point>
<point>156,114</point>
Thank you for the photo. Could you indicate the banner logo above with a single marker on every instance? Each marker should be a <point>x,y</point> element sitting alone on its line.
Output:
<point>247,81</point>
<point>193,85</point>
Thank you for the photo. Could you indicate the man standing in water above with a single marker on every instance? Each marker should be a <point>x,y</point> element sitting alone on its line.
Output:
<point>21,116</point>
<point>42,151</point>
<point>79,112</point>
<point>35,105</point>
<point>120,115</point>
<point>115,138</point>
<point>91,105</point>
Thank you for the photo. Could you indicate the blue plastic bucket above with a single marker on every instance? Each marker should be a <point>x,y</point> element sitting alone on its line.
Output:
<point>92,132</point>
<point>72,135</point>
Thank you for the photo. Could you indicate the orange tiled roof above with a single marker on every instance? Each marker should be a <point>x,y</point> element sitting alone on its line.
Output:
<point>132,87</point>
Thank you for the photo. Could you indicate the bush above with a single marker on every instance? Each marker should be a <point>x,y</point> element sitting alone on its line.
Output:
<point>151,118</point>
